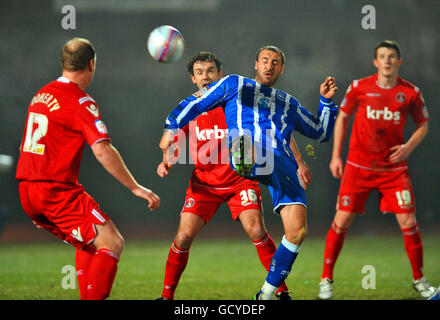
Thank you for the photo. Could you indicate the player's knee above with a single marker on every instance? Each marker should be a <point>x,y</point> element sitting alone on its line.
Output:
<point>118,244</point>
<point>297,236</point>
<point>406,220</point>
<point>184,239</point>
<point>253,224</point>
<point>343,220</point>
<point>256,232</point>
<point>108,238</point>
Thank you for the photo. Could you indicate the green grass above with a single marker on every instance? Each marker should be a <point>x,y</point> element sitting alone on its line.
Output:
<point>220,270</point>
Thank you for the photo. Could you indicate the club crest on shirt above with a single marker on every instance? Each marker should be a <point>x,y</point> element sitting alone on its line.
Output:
<point>201,92</point>
<point>400,97</point>
<point>262,101</point>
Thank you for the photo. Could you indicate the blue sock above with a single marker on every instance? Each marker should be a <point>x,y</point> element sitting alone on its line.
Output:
<point>282,262</point>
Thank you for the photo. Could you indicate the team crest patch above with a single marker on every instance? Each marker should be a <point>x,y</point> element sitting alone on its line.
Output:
<point>345,201</point>
<point>425,112</point>
<point>281,96</point>
<point>100,125</point>
<point>201,92</point>
<point>189,203</point>
<point>400,97</point>
<point>344,102</point>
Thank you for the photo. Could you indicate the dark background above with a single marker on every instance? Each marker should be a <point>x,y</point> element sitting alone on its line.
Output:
<point>135,93</point>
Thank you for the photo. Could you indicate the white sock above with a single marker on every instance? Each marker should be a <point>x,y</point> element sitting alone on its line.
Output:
<point>268,291</point>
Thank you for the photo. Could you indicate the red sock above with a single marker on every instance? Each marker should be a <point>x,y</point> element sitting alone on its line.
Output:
<point>175,265</point>
<point>414,249</point>
<point>333,246</point>
<point>101,274</point>
<point>82,261</point>
<point>265,249</point>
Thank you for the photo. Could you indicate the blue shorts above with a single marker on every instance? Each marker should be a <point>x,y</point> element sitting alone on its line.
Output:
<point>283,183</point>
<point>278,171</point>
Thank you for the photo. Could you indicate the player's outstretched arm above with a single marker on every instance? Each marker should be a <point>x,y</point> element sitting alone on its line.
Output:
<point>402,151</point>
<point>336,163</point>
<point>112,161</point>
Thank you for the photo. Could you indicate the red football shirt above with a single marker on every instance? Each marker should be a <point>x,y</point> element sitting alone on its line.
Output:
<point>380,118</point>
<point>208,145</point>
<point>61,118</point>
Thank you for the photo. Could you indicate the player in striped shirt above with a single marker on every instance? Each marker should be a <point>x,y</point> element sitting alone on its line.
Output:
<point>61,119</point>
<point>261,121</point>
<point>212,183</point>
<point>377,160</point>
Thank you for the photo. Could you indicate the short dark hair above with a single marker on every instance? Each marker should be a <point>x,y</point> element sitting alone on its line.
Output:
<point>76,54</point>
<point>392,44</point>
<point>274,49</point>
<point>203,56</point>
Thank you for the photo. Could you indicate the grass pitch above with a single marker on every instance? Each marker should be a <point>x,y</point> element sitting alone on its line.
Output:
<point>222,270</point>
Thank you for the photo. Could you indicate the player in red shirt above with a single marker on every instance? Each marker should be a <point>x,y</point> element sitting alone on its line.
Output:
<point>61,118</point>
<point>377,160</point>
<point>214,182</point>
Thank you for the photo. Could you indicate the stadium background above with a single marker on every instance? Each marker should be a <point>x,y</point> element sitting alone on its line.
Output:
<point>135,93</point>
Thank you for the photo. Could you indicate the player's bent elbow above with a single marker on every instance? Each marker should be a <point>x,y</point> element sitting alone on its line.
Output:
<point>101,148</point>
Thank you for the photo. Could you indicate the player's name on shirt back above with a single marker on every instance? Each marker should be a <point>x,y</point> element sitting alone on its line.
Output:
<point>48,99</point>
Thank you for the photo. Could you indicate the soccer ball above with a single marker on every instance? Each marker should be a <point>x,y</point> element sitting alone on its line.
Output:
<point>6,162</point>
<point>166,44</point>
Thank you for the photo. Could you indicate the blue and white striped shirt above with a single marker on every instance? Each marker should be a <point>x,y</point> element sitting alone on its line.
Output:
<point>257,110</point>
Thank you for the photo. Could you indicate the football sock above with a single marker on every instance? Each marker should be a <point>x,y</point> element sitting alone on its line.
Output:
<point>280,267</point>
<point>333,246</point>
<point>267,291</point>
<point>175,265</point>
<point>83,258</point>
<point>101,274</point>
<point>414,249</point>
<point>266,249</point>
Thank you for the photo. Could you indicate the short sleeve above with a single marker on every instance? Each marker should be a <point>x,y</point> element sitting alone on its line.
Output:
<point>89,121</point>
<point>418,109</point>
<point>349,103</point>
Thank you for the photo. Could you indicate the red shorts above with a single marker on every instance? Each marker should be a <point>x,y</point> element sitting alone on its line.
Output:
<point>66,210</point>
<point>204,201</point>
<point>395,190</point>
